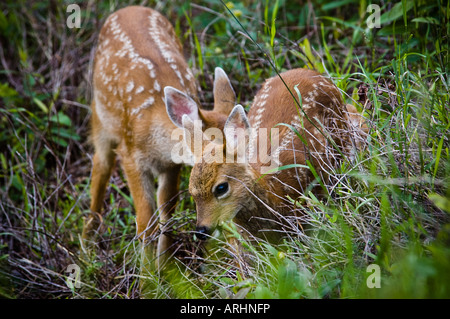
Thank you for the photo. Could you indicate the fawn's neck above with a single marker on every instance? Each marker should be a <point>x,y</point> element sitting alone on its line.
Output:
<point>260,214</point>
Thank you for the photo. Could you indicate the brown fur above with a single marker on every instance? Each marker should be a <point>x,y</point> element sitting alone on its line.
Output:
<point>137,58</point>
<point>256,201</point>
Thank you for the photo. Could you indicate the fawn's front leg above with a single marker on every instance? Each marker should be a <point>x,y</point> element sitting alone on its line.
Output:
<point>167,198</point>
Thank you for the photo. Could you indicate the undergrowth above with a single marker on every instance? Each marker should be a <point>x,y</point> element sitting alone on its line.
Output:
<point>387,207</point>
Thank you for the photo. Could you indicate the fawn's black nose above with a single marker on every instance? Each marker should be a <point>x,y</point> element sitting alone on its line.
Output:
<point>202,232</point>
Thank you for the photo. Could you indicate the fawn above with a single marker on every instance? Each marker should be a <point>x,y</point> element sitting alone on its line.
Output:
<point>243,191</point>
<point>139,70</point>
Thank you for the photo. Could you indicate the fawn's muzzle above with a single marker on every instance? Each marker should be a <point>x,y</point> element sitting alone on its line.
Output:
<point>202,232</point>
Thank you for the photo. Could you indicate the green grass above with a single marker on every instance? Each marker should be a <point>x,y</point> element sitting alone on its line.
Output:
<point>389,206</point>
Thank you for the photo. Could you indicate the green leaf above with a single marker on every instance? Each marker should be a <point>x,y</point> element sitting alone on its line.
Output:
<point>392,29</point>
<point>333,218</point>
<point>7,91</point>
<point>60,141</point>
<point>61,118</point>
<point>300,100</point>
<point>316,176</point>
<point>438,156</point>
<point>405,20</point>
<point>280,168</point>
<point>440,201</point>
<point>289,280</point>
<point>273,30</point>
<point>311,60</point>
<point>426,20</point>
<point>3,21</point>
<point>23,55</point>
<point>262,292</point>
<point>41,105</point>
<point>198,47</point>
<point>64,133</point>
<point>396,12</point>
<point>271,249</point>
<point>328,286</point>
<point>335,4</point>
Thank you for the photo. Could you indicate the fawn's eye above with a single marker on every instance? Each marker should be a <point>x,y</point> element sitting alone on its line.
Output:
<point>221,189</point>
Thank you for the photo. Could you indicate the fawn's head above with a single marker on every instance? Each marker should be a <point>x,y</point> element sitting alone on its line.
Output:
<point>221,177</point>
<point>217,185</point>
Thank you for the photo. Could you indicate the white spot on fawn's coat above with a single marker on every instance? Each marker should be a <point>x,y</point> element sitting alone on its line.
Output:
<point>130,86</point>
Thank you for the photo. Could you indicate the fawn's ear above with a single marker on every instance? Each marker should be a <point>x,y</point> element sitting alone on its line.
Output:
<point>179,104</point>
<point>237,130</point>
<point>224,96</point>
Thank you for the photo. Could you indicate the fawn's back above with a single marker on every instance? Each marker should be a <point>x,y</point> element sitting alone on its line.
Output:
<point>306,129</point>
<point>138,55</point>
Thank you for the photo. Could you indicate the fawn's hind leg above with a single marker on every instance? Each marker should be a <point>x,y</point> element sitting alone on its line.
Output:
<point>103,164</point>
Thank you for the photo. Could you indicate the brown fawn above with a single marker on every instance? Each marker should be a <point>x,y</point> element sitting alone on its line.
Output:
<point>246,191</point>
<point>139,70</point>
